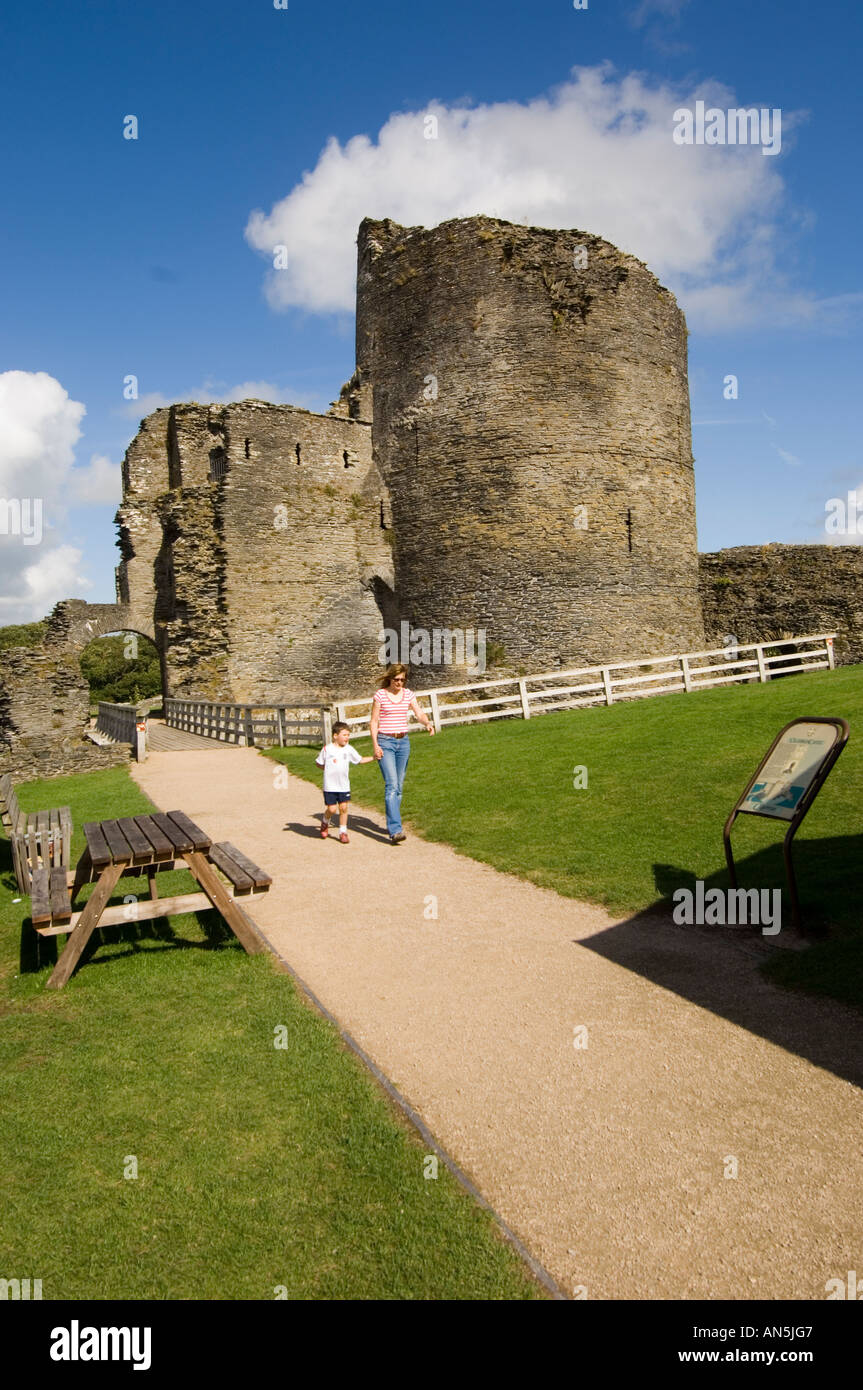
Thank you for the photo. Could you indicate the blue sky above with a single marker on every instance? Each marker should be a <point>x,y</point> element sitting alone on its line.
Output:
<point>131,256</point>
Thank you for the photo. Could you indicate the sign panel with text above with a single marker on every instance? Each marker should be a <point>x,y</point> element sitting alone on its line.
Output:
<point>790,768</point>
<point>787,781</point>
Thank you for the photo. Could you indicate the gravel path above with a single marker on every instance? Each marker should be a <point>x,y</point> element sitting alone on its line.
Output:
<point>609,1160</point>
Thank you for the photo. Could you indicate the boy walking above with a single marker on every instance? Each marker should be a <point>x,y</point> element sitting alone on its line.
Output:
<point>336,758</point>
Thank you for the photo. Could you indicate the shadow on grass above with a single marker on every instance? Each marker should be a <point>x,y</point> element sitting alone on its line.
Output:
<point>712,966</point>
<point>156,934</point>
<point>828,881</point>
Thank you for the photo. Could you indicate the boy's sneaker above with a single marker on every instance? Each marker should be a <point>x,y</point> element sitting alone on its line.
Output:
<point>343,837</point>
<point>325,829</point>
<point>398,837</point>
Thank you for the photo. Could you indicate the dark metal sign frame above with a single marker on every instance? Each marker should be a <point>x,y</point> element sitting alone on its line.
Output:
<point>842,734</point>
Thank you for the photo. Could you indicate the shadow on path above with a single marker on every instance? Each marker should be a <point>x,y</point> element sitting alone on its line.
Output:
<point>715,966</point>
<point>359,825</point>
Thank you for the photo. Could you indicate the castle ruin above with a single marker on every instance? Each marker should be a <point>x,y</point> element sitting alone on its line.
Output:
<point>255,538</point>
<point>512,454</point>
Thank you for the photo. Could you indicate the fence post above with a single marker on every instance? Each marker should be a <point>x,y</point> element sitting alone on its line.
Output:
<point>525,701</point>
<point>435,712</point>
<point>327,723</point>
<point>280,724</point>
<point>687,678</point>
<point>340,712</point>
<point>248,731</point>
<point>762,669</point>
<point>606,681</point>
<point>831,659</point>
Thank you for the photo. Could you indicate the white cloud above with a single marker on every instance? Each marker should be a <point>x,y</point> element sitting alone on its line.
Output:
<point>146,404</point>
<point>253,391</point>
<point>100,481</point>
<point>207,395</point>
<point>650,9</point>
<point>39,429</point>
<point>53,576</point>
<point>596,154</point>
<point>791,459</point>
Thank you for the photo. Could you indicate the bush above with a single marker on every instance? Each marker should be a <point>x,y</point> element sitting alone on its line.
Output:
<point>121,679</point>
<point>22,635</point>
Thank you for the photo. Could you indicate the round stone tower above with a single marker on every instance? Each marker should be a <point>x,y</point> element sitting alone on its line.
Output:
<point>531,421</point>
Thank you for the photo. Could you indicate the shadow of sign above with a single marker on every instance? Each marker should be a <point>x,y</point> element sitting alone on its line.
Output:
<point>716,967</point>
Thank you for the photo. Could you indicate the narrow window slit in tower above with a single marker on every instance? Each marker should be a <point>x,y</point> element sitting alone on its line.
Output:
<point>629,526</point>
<point>247,448</point>
<point>348,463</point>
<point>218,464</point>
<point>383,522</point>
<point>298,454</point>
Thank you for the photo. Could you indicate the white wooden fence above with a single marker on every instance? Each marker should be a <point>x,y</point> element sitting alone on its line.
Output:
<point>527,696</point>
<point>255,726</point>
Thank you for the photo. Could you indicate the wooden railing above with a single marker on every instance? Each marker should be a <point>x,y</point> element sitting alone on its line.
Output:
<point>254,726</point>
<point>117,722</point>
<point>526,696</point>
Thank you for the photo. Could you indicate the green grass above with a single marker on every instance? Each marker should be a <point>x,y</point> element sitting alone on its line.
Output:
<point>663,775</point>
<point>258,1167</point>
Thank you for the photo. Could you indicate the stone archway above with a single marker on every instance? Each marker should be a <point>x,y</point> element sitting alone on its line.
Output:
<point>74,623</point>
<point>44,699</point>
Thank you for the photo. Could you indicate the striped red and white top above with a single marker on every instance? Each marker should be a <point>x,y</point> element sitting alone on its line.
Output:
<point>394,713</point>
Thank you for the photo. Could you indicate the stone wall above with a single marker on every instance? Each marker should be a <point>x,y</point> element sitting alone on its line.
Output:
<point>759,592</point>
<point>145,479</point>
<point>256,535</point>
<point>510,388</point>
<point>44,706</point>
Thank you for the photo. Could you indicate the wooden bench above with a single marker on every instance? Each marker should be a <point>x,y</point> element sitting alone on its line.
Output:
<point>245,876</point>
<point>39,839</point>
<point>137,846</point>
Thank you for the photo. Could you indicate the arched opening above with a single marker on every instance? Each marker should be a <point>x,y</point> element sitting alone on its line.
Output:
<point>123,668</point>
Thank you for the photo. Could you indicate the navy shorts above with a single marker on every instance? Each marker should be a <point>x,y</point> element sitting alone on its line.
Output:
<point>333,798</point>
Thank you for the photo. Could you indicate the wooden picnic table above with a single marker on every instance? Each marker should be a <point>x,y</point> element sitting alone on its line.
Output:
<point>135,846</point>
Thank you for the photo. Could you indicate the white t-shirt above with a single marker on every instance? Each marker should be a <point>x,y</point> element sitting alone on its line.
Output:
<point>336,762</point>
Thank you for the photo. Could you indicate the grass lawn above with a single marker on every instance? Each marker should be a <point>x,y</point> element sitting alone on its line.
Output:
<point>257,1166</point>
<point>662,776</point>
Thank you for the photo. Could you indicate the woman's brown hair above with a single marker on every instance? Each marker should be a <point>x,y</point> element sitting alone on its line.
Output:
<point>396,669</point>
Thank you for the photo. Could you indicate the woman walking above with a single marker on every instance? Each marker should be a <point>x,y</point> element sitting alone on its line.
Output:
<point>390,742</point>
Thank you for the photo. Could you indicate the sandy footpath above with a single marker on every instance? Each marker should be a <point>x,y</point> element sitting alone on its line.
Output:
<point>609,1160</point>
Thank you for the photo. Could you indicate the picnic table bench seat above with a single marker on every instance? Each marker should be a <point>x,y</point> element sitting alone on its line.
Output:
<point>50,900</point>
<point>136,846</point>
<point>39,839</point>
<point>245,876</point>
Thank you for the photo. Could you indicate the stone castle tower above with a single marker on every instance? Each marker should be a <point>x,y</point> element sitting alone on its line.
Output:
<point>512,454</point>
<point>531,422</point>
<point>256,537</point>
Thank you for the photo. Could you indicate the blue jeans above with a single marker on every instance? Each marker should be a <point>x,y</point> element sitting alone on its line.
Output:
<point>393,765</point>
